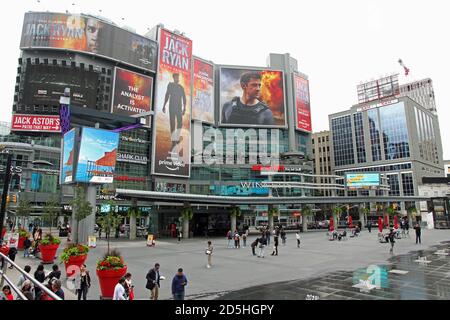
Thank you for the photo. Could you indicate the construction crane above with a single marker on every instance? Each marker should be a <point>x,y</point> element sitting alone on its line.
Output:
<point>404,67</point>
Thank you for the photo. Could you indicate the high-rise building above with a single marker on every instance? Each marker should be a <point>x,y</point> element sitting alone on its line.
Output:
<point>321,151</point>
<point>5,128</point>
<point>420,91</point>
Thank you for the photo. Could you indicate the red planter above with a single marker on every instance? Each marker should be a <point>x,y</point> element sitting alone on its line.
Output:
<point>20,244</point>
<point>74,264</point>
<point>108,280</point>
<point>4,250</point>
<point>48,252</point>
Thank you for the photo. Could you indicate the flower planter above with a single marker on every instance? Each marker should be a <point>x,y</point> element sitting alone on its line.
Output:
<point>108,280</point>
<point>74,264</point>
<point>20,243</point>
<point>4,250</point>
<point>48,252</point>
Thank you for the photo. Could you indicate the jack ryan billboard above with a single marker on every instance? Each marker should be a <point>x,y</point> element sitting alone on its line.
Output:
<point>302,104</point>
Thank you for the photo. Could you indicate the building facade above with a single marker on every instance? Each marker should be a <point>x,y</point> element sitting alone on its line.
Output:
<point>422,92</point>
<point>396,137</point>
<point>322,158</point>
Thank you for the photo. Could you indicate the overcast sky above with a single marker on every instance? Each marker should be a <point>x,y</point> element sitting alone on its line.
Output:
<point>337,44</point>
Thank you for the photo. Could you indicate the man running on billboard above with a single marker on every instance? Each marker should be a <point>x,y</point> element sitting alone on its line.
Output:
<point>177,107</point>
<point>248,109</point>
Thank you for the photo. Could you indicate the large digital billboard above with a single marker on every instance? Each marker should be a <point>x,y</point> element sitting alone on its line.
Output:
<point>302,104</point>
<point>35,122</point>
<point>360,180</point>
<point>132,93</point>
<point>252,98</point>
<point>172,120</point>
<point>203,91</point>
<point>97,156</point>
<point>45,84</point>
<point>68,157</point>
<point>87,34</point>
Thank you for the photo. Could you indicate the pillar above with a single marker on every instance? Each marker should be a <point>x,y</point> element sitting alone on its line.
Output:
<point>133,220</point>
<point>233,222</point>
<point>85,226</point>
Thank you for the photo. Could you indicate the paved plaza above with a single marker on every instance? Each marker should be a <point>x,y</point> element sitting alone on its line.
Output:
<point>320,268</point>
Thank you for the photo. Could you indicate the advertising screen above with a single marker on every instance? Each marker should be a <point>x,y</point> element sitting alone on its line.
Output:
<point>302,105</point>
<point>203,92</point>
<point>87,34</point>
<point>172,120</point>
<point>97,156</point>
<point>252,98</point>
<point>45,84</point>
<point>67,163</point>
<point>358,180</point>
<point>40,123</point>
<point>132,93</point>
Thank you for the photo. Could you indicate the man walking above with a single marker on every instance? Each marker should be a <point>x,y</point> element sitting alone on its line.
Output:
<point>418,232</point>
<point>262,246</point>
<point>253,245</point>
<point>179,283</point>
<point>153,284</point>
<point>297,235</point>
<point>208,252</point>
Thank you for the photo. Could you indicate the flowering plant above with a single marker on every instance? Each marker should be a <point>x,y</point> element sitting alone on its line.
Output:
<point>73,251</point>
<point>111,261</point>
<point>49,239</point>
<point>23,233</point>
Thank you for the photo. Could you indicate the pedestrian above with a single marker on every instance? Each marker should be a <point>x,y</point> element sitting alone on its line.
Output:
<point>236,239</point>
<point>369,226</point>
<point>55,274</point>
<point>244,239</point>
<point>418,233</point>
<point>26,247</point>
<point>129,287</point>
<point>56,288</point>
<point>39,275</point>
<point>230,239</point>
<point>283,236</point>
<point>180,235</point>
<point>391,237</point>
<point>179,283</point>
<point>7,294</point>
<point>119,290</point>
<point>209,251</point>
<point>262,246</point>
<point>153,277</point>
<point>275,246</point>
<point>25,288</point>
<point>30,226</point>
<point>83,283</point>
<point>22,277</point>
<point>297,235</point>
<point>407,227</point>
<point>12,255</point>
<point>253,245</point>
<point>267,233</point>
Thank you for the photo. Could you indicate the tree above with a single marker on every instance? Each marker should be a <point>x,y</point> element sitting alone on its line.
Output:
<point>52,211</point>
<point>23,208</point>
<point>187,213</point>
<point>133,213</point>
<point>337,211</point>
<point>110,220</point>
<point>411,212</point>
<point>306,211</point>
<point>81,208</point>
<point>270,214</point>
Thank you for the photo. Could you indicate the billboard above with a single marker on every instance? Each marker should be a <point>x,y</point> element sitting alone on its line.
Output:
<point>39,123</point>
<point>97,156</point>
<point>203,91</point>
<point>302,105</point>
<point>87,34</point>
<point>132,93</point>
<point>68,157</point>
<point>252,98</point>
<point>359,180</point>
<point>45,84</point>
<point>172,120</point>
<point>378,89</point>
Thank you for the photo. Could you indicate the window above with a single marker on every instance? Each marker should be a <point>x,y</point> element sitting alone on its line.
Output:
<point>395,131</point>
<point>374,128</point>
<point>407,183</point>
<point>342,141</point>
<point>359,136</point>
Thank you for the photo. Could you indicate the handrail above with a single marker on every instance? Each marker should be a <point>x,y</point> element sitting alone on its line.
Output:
<point>9,282</point>
<point>26,275</point>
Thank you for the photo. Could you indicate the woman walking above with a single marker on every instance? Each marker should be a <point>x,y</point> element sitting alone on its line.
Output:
<point>84,282</point>
<point>208,252</point>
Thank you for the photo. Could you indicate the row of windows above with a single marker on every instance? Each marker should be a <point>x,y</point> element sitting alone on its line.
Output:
<point>342,141</point>
<point>427,138</point>
<point>359,137</point>
<point>374,128</point>
<point>387,168</point>
<point>321,139</point>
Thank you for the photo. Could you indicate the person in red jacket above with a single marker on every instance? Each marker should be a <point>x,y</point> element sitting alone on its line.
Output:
<point>7,293</point>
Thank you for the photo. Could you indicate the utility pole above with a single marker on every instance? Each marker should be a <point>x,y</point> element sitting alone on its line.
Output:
<point>5,190</point>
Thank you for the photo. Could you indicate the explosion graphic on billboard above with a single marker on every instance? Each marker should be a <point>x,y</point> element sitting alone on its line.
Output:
<point>272,92</point>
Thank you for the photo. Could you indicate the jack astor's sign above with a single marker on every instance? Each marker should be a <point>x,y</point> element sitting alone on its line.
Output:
<point>133,158</point>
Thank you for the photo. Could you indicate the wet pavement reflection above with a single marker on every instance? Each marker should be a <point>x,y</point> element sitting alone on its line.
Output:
<point>404,277</point>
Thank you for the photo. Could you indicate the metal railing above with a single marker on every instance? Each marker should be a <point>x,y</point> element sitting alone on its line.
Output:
<point>4,278</point>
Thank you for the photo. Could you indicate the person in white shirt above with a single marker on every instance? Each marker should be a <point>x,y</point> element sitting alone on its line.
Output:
<point>297,235</point>
<point>119,290</point>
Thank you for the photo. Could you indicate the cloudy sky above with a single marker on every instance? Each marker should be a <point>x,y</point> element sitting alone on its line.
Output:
<point>337,44</point>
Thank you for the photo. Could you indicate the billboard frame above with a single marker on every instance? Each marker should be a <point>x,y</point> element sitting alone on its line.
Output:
<point>153,155</point>
<point>294,74</point>
<point>250,68</point>
<point>114,90</point>
<point>76,149</point>
<point>213,92</point>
